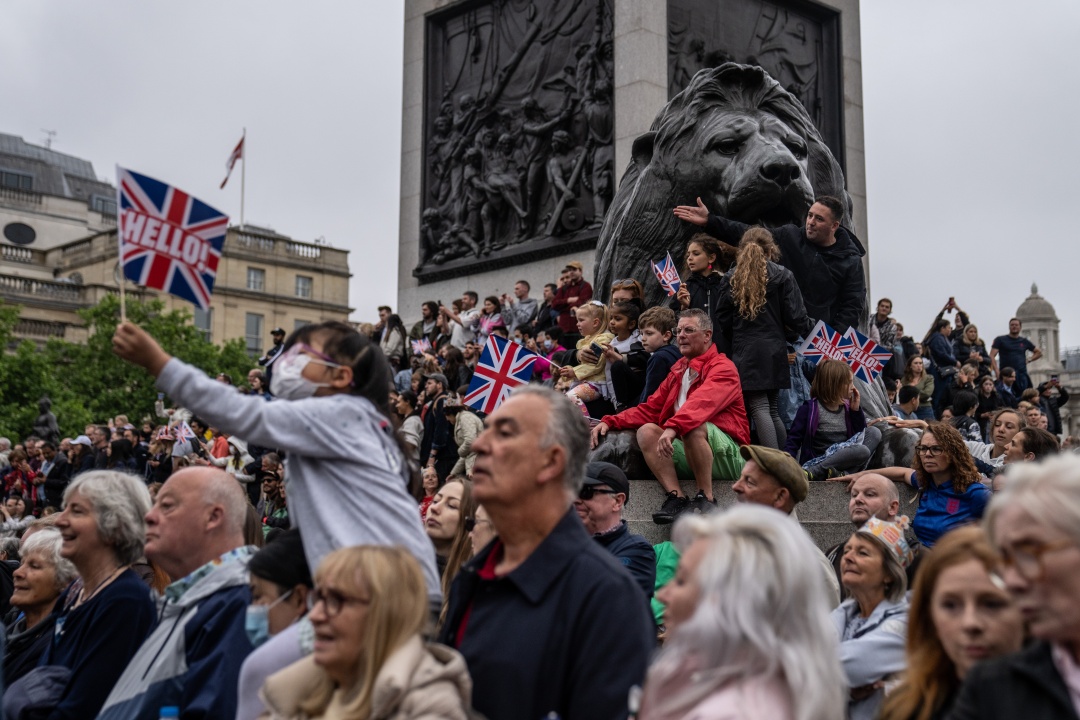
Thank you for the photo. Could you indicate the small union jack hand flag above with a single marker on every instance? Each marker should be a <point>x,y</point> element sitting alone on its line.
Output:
<point>824,343</point>
<point>668,275</point>
<point>866,357</point>
<point>168,239</point>
<point>502,367</point>
<point>421,346</point>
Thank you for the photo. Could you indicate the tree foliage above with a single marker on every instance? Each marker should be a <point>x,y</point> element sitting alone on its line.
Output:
<point>89,383</point>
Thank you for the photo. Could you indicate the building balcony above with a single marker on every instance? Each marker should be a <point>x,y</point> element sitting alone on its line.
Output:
<point>21,198</point>
<point>19,290</point>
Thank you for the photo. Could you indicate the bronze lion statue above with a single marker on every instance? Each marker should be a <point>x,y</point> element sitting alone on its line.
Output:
<point>736,139</point>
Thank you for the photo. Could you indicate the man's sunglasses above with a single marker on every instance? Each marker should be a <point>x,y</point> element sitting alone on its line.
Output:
<point>587,492</point>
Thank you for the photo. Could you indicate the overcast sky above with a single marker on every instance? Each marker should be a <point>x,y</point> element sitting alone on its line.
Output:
<point>970,111</point>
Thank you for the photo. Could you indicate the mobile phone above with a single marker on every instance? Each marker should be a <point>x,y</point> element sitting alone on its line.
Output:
<point>161,396</point>
<point>596,349</point>
<point>1053,378</point>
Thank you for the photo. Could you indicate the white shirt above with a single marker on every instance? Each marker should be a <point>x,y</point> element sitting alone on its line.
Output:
<point>688,379</point>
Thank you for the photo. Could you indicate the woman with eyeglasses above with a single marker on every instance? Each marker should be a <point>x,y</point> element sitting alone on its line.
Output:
<point>959,614</point>
<point>368,610</point>
<point>1034,524</point>
<point>951,491</point>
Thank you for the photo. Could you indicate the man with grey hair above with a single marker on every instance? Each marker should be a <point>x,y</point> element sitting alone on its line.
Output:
<point>195,533</point>
<point>693,424</point>
<point>550,624</point>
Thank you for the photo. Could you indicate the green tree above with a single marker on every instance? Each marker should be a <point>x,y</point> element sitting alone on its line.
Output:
<point>89,383</point>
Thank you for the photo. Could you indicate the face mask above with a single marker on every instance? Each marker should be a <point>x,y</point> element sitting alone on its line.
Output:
<point>547,344</point>
<point>288,382</point>
<point>257,621</point>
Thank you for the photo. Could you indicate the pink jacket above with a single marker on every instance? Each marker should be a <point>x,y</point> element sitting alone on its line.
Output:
<point>750,699</point>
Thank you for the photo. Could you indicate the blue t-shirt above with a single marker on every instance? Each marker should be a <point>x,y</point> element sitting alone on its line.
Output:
<point>941,509</point>
<point>1012,352</point>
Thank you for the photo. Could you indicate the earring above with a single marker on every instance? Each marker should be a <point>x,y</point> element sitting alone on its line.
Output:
<point>710,267</point>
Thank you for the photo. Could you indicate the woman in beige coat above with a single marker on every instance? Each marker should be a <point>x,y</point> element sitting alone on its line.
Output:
<point>368,609</point>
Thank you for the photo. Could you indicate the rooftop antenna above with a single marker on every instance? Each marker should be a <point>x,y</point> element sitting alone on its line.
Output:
<point>49,135</point>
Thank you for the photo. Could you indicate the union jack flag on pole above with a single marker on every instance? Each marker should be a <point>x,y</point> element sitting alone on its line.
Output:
<point>502,367</point>
<point>169,240</point>
<point>668,275</point>
<point>421,346</point>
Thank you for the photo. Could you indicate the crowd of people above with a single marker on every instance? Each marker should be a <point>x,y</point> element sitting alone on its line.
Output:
<point>342,536</point>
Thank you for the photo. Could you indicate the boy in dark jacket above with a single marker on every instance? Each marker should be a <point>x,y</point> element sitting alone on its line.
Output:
<point>657,325</point>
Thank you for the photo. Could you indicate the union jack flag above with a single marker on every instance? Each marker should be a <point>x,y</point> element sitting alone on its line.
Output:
<point>668,275</point>
<point>169,240</point>
<point>824,343</point>
<point>421,346</point>
<point>866,357</point>
<point>502,367</point>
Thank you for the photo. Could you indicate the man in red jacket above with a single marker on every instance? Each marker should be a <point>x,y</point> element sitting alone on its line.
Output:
<point>693,424</point>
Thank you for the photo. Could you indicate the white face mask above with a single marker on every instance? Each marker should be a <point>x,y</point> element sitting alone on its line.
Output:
<point>288,381</point>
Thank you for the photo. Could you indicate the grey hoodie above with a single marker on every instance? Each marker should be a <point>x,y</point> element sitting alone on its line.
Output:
<point>345,476</point>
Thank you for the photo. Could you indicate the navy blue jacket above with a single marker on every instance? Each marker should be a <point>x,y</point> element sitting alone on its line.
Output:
<point>1025,684</point>
<point>658,367</point>
<point>941,351</point>
<point>96,640</point>
<point>635,553</point>
<point>565,632</point>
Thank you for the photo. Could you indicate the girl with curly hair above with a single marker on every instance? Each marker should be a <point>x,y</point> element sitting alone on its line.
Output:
<point>760,310</point>
<point>951,491</point>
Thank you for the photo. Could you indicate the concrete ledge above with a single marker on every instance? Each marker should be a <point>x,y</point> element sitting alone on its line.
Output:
<point>823,513</point>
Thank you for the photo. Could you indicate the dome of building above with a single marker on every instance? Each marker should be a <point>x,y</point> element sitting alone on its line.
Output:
<point>1036,308</point>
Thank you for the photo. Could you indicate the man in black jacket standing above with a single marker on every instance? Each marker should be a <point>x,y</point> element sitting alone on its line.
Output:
<point>825,258</point>
<point>550,624</point>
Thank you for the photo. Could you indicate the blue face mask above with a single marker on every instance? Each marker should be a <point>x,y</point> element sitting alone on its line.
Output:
<point>257,621</point>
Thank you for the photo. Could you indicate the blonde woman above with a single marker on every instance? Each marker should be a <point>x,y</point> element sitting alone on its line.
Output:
<point>368,609</point>
<point>759,312</point>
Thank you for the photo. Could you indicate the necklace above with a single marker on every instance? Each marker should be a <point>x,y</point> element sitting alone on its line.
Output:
<point>100,585</point>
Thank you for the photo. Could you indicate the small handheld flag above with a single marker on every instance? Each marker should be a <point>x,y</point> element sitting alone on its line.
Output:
<point>865,357</point>
<point>502,367</point>
<point>421,346</point>
<point>668,275</point>
<point>169,240</point>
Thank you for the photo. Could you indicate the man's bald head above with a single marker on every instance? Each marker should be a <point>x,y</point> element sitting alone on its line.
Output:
<point>873,495</point>
<point>197,517</point>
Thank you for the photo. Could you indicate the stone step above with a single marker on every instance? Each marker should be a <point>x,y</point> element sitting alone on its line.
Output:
<point>824,513</point>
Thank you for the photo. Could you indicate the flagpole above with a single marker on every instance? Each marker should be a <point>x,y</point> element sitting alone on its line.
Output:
<point>243,172</point>
<point>120,249</point>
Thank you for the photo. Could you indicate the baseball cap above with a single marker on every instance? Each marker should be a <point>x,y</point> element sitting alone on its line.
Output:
<point>781,466</point>
<point>576,265</point>
<point>604,473</point>
<point>438,377</point>
<point>82,440</point>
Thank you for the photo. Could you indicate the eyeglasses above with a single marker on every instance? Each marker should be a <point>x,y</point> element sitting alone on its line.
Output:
<point>332,601</point>
<point>588,491</point>
<point>929,450</point>
<point>686,331</point>
<point>471,523</point>
<point>1027,557</point>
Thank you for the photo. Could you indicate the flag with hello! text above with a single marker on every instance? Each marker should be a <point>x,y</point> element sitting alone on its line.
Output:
<point>502,367</point>
<point>169,240</point>
<point>668,275</point>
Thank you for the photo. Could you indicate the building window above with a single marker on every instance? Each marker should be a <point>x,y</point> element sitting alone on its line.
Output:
<point>297,324</point>
<point>256,279</point>
<point>16,180</point>
<point>103,205</point>
<point>253,332</point>
<point>204,319</point>
<point>303,286</point>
